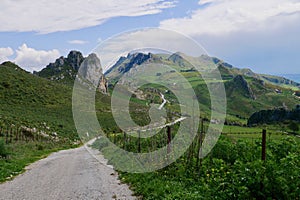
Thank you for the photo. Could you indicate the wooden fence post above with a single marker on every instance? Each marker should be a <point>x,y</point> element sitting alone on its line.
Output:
<point>6,137</point>
<point>169,139</point>
<point>124,145</point>
<point>139,141</point>
<point>11,135</point>
<point>263,147</point>
<point>263,156</point>
<point>199,160</point>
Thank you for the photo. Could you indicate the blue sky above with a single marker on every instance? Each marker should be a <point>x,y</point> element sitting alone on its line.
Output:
<point>263,36</point>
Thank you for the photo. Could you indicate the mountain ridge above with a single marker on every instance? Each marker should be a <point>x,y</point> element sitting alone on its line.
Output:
<point>243,87</point>
<point>178,58</point>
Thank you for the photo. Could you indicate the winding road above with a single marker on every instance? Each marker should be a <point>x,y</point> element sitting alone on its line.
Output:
<point>68,174</point>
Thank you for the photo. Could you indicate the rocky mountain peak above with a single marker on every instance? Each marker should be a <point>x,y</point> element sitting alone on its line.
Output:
<point>75,58</point>
<point>178,58</point>
<point>139,58</point>
<point>91,71</point>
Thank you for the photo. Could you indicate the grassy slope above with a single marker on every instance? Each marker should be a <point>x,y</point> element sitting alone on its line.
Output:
<point>32,101</point>
<point>29,100</point>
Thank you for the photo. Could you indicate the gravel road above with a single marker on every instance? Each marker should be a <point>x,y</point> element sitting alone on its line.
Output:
<point>69,174</point>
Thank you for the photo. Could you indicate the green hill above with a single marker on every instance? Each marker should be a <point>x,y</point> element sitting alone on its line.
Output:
<point>35,119</point>
<point>32,101</point>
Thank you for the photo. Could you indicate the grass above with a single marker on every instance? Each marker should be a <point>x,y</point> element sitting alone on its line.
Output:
<point>30,101</point>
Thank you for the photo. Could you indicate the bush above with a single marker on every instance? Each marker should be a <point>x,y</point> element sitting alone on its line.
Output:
<point>40,147</point>
<point>294,126</point>
<point>3,150</point>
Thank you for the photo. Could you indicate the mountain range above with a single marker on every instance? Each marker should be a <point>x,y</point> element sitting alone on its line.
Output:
<point>247,92</point>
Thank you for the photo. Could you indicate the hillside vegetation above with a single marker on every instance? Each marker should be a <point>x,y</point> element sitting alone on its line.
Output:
<point>35,119</point>
<point>32,101</point>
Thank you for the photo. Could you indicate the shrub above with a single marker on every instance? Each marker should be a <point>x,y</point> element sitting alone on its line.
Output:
<point>294,126</point>
<point>3,150</point>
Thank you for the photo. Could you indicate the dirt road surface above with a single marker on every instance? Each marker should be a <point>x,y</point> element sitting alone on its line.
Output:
<point>69,174</point>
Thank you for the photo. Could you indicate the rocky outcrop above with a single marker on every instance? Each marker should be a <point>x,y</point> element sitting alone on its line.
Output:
<point>91,71</point>
<point>103,85</point>
<point>63,69</point>
<point>74,59</point>
<point>241,82</point>
<point>275,115</point>
<point>134,59</point>
<point>124,64</point>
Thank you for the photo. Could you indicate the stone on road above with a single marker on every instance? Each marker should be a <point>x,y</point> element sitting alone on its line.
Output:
<point>69,174</point>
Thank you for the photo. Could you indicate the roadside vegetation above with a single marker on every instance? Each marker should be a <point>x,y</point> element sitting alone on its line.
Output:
<point>35,119</point>
<point>234,168</point>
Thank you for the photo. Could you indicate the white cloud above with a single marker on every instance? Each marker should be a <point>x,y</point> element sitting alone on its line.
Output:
<point>34,60</point>
<point>226,16</point>
<point>202,2</point>
<point>77,42</point>
<point>61,15</point>
<point>5,53</point>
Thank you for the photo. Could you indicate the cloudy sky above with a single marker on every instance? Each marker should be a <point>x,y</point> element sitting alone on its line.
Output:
<point>261,35</point>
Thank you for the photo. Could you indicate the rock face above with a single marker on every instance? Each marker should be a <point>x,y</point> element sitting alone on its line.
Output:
<point>91,69</point>
<point>240,81</point>
<point>275,115</point>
